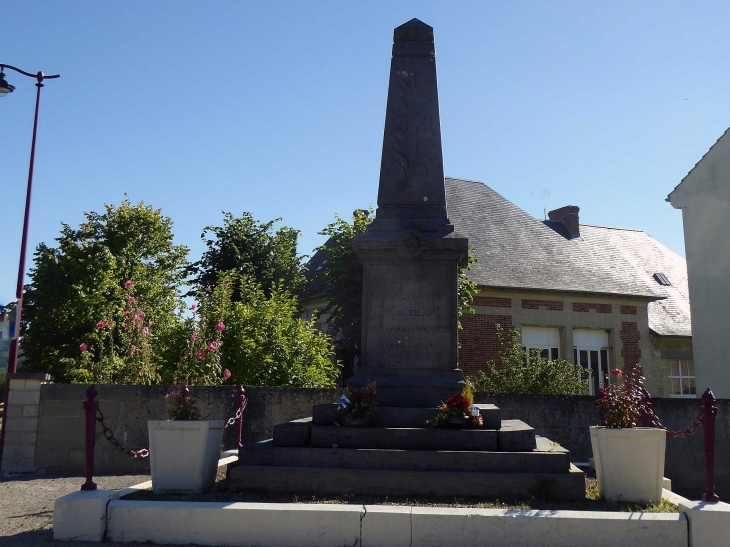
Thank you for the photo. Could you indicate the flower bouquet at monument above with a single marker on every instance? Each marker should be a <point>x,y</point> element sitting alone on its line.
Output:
<point>357,405</point>
<point>456,411</point>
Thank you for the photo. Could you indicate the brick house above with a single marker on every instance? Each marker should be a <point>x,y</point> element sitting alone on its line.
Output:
<point>602,297</point>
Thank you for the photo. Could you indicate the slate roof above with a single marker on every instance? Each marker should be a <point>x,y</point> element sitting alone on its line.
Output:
<point>517,251</point>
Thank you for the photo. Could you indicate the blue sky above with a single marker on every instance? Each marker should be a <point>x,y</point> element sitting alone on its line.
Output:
<point>277,108</point>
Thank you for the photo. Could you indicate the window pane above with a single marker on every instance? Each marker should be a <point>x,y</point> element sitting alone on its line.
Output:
<point>692,388</point>
<point>584,358</point>
<point>674,389</point>
<point>690,368</point>
<point>554,353</point>
<point>544,354</point>
<point>575,356</point>
<point>673,367</point>
<point>604,361</point>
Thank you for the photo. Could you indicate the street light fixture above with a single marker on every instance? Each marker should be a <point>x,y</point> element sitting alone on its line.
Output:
<point>6,88</point>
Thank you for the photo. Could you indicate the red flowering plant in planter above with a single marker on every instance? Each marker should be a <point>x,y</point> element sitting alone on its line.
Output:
<point>454,412</point>
<point>622,403</point>
<point>182,405</point>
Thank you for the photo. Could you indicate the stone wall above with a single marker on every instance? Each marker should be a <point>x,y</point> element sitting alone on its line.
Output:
<point>565,420</point>
<point>126,409</point>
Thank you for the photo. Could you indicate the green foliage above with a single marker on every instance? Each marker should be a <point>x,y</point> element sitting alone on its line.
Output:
<point>343,274</point>
<point>265,344</point>
<point>252,249</point>
<point>557,377</point>
<point>200,360</point>
<point>81,281</point>
<point>119,351</point>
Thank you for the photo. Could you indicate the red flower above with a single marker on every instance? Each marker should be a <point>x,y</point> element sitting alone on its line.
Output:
<point>457,401</point>
<point>617,372</point>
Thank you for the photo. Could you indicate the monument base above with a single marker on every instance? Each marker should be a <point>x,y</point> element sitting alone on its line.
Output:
<point>409,386</point>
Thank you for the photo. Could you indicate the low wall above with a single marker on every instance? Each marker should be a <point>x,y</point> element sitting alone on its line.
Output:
<point>126,409</point>
<point>565,420</point>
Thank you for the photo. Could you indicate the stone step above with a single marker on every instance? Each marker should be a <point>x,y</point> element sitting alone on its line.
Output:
<point>514,436</point>
<point>547,458</point>
<point>389,416</point>
<point>320,481</point>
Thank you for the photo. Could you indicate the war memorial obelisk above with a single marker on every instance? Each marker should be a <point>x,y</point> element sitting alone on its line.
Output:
<point>411,257</point>
<point>410,253</point>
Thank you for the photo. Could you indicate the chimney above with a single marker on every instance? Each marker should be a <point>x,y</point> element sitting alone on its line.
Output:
<point>568,217</point>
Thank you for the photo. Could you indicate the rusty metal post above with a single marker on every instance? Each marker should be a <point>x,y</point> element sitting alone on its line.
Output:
<point>90,406</point>
<point>709,411</point>
<point>241,401</point>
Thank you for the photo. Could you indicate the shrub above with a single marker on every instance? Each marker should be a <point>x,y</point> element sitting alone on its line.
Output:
<point>540,376</point>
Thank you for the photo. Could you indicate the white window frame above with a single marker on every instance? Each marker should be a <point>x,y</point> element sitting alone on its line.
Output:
<point>590,340</point>
<point>554,344</point>
<point>681,377</point>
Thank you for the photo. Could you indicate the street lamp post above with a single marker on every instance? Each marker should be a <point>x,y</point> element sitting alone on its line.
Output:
<point>5,89</point>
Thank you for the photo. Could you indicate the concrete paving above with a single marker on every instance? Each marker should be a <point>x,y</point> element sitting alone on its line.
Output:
<point>26,507</point>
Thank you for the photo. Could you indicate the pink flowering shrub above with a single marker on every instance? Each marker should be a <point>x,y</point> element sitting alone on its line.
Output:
<point>129,360</point>
<point>200,363</point>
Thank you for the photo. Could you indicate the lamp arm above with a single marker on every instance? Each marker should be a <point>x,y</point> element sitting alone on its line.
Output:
<point>40,76</point>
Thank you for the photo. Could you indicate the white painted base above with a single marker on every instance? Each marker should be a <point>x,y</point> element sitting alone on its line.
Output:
<point>709,523</point>
<point>81,516</point>
<point>333,525</point>
<point>629,462</point>
<point>184,454</point>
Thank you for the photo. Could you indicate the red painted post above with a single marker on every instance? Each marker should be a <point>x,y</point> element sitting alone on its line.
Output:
<point>240,398</point>
<point>90,406</point>
<point>709,411</point>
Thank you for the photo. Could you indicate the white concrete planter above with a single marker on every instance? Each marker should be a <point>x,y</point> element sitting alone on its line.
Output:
<point>184,454</point>
<point>629,462</point>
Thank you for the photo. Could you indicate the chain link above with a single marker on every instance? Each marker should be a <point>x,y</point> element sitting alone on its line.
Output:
<point>109,436</point>
<point>680,433</point>
<point>145,452</point>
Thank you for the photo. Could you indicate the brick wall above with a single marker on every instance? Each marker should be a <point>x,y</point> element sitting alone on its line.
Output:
<point>588,306</point>
<point>478,340</point>
<point>630,336</point>
<point>628,310</point>
<point>494,302</point>
<point>553,305</point>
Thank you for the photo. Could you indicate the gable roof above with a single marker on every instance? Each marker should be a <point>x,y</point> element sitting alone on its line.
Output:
<point>674,196</point>
<point>514,250</point>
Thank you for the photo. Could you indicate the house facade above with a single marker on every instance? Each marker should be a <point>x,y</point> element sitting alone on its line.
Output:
<point>704,198</point>
<point>600,297</point>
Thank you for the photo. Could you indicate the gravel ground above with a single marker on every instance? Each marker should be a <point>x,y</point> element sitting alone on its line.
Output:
<point>26,507</point>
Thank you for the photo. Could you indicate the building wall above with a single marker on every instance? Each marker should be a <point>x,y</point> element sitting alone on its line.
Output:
<point>704,197</point>
<point>625,320</point>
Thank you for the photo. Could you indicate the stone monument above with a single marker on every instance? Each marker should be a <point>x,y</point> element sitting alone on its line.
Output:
<point>411,257</point>
<point>410,253</point>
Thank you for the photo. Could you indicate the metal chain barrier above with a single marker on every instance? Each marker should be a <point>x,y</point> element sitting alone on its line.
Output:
<point>680,433</point>
<point>109,436</point>
<point>145,452</point>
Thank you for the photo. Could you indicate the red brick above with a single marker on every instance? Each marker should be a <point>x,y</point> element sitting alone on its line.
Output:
<point>630,337</point>
<point>628,310</point>
<point>492,301</point>
<point>553,305</point>
<point>478,340</point>
<point>587,306</point>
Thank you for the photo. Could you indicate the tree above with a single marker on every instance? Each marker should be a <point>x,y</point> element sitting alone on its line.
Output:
<point>540,376</point>
<point>265,344</point>
<point>252,249</point>
<point>344,274</point>
<point>81,281</point>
